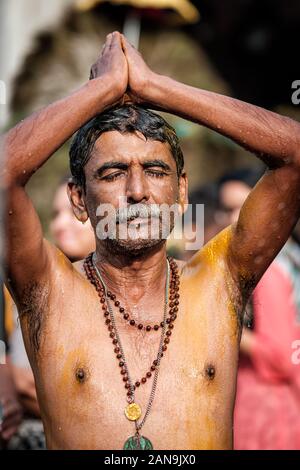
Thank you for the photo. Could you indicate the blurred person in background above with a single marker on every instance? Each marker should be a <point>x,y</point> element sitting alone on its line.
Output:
<point>207,196</point>
<point>76,240</point>
<point>267,405</point>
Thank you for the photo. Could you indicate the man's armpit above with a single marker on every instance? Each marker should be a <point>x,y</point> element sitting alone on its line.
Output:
<point>33,309</point>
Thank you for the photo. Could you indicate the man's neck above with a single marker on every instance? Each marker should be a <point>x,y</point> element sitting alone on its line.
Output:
<point>133,278</point>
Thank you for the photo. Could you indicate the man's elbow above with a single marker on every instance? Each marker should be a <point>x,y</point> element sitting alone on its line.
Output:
<point>12,174</point>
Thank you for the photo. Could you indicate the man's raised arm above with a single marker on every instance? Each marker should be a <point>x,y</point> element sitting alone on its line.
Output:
<point>28,146</point>
<point>273,207</point>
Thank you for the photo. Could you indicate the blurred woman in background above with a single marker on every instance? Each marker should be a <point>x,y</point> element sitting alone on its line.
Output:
<point>268,385</point>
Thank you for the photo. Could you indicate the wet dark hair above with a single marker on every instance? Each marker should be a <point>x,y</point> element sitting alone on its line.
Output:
<point>125,119</point>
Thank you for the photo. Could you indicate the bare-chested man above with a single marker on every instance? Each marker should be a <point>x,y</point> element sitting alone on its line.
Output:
<point>136,156</point>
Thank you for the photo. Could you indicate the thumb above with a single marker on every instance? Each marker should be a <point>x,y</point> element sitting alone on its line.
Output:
<point>126,99</point>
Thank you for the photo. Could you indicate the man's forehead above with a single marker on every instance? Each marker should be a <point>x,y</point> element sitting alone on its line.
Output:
<point>116,145</point>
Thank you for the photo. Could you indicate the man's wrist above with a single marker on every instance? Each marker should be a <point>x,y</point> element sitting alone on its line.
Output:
<point>154,89</point>
<point>106,93</point>
<point>159,91</point>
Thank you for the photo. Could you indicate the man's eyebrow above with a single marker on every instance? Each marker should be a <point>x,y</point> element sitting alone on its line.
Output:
<point>109,165</point>
<point>160,163</point>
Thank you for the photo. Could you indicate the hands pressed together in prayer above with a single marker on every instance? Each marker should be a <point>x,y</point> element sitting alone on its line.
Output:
<point>123,69</point>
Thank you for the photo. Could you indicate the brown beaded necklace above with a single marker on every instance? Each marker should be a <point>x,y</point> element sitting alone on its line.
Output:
<point>133,411</point>
<point>174,302</point>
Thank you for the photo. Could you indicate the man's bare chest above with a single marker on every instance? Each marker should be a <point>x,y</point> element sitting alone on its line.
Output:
<point>81,381</point>
<point>84,389</point>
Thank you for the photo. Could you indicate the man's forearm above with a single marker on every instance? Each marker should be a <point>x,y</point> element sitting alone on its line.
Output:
<point>274,138</point>
<point>30,143</point>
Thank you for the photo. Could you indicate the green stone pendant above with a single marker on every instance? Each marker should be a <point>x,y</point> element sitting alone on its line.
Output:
<point>138,443</point>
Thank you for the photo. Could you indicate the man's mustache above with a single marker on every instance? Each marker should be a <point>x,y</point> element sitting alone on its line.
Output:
<point>134,211</point>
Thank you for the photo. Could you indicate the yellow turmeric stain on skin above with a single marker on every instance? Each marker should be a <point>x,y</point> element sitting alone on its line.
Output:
<point>62,261</point>
<point>207,284</point>
<point>207,440</point>
<point>207,263</point>
<point>211,257</point>
<point>73,361</point>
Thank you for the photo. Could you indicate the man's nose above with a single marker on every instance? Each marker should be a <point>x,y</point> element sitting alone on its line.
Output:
<point>137,189</point>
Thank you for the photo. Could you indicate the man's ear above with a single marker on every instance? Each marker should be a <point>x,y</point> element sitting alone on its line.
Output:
<point>75,193</point>
<point>183,193</point>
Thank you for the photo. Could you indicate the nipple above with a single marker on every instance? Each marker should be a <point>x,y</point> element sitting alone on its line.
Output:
<point>80,375</point>
<point>210,372</point>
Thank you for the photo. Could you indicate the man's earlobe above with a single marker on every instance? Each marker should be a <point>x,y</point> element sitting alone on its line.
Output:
<point>81,216</point>
<point>75,194</point>
<point>183,193</point>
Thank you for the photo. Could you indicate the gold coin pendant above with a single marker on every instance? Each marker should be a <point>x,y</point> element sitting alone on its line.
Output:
<point>133,411</point>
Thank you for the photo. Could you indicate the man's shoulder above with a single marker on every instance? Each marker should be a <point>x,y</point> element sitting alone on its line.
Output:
<point>60,274</point>
<point>61,266</point>
<point>213,254</point>
<point>44,301</point>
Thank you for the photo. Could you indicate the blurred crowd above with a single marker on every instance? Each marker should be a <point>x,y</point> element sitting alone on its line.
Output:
<point>267,406</point>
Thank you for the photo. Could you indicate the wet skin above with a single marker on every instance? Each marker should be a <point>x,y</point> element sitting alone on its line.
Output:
<point>77,375</point>
<point>79,386</point>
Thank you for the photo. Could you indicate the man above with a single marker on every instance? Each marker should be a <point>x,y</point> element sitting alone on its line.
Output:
<point>81,394</point>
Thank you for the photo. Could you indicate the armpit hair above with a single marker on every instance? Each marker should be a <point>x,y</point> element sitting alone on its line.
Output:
<point>246,285</point>
<point>33,308</point>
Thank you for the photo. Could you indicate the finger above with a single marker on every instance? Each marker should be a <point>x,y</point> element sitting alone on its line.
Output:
<point>102,48</point>
<point>126,99</point>
<point>129,50</point>
<point>127,43</point>
<point>123,42</point>
<point>116,40</point>
<point>106,45</point>
<point>108,42</point>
